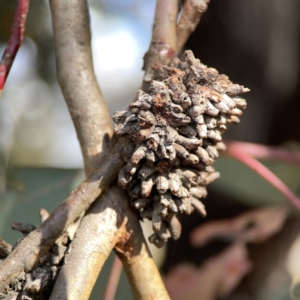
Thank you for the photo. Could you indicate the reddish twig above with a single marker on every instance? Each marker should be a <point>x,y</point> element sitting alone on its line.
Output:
<point>15,41</point>
<point>113,280</point>
<point>264,172</point>
<point>264,151</point>
<point>192,12</point>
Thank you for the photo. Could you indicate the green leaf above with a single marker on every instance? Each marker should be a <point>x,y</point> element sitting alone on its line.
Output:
<point>242,183</point>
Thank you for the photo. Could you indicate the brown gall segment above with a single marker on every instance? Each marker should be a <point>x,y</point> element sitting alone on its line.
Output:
<point>235,89</point>
<point>214,135</point>
<point>146,186</point>
<point>181,151</point>
<point>211,110</point>
<point>162,183</point>
<point>184,100</point>
<point>180,205</point>
<point>222,107</point>
<point>236,112</point>
<point>187,142</point>
<point>198,192</point>
<point>156,218</point>
<point>240,102</point>
<point>199,206</point>
<point>209,178</point>
<point>210,122</point>
<point>220,146</point>
<point>228,101</point>
<point>188,207</point>
<point>202,131</point>
<point>138,154</point>
<point>174,227</point>
<point>175,183</point>
<point>192,159</point>
<point>203,155</point>
<point>212,152</point>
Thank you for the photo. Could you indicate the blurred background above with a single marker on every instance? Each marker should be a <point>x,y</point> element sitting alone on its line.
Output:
<point>254,42</point>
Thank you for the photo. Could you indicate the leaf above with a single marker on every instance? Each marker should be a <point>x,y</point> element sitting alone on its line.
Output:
<point>238,181</point>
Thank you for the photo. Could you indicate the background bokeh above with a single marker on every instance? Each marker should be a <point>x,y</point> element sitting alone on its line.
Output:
<point>254,42</point>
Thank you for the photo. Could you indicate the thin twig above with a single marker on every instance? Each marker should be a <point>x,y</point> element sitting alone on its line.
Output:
<point>113,280</point>
<point>192,12</point>
<point>77,79</point>
<point>163,43</point>
<point>265,151</point>
<point>265,173</point>
<point>15,41</point>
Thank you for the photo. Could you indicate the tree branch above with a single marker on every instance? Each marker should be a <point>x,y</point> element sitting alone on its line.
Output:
<point>26,255</point>
<point>99,231</point>
<point>15,41</point>
<point>140,268</point>
<point>192,12</point>
<point>110,221</point>
<point>163,43</point>
<point>77,79</point>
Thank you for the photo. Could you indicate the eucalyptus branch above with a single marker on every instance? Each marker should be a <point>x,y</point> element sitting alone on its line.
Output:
<point>108,223</point>
<point>28,252</point>
<point>15,41</point>
<point>192,12</point>
<point>77,79</point>
<point>163,43</point>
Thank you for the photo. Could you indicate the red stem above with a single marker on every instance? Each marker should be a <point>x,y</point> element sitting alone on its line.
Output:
<point>264,151</point>
<point>113,280</point>
<point>15,41</point>
<point>264,172</point>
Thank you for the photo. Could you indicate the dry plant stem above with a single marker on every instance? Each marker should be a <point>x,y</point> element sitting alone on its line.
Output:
<point>26,255</point>
<point>141,270</point>
<point>163,43</point>
<point>264,172</point>
<point>267,152</point>
<point>110,221</point>
<point>113,280</point>
<point>77,79</point>
<point>15,41</point>
<point>192,12</point>
<point>99,231</point>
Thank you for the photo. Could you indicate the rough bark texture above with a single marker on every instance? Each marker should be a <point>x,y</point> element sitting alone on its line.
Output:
<point>176,135</point>
<point>26,255</point>
<point>163,43</point>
